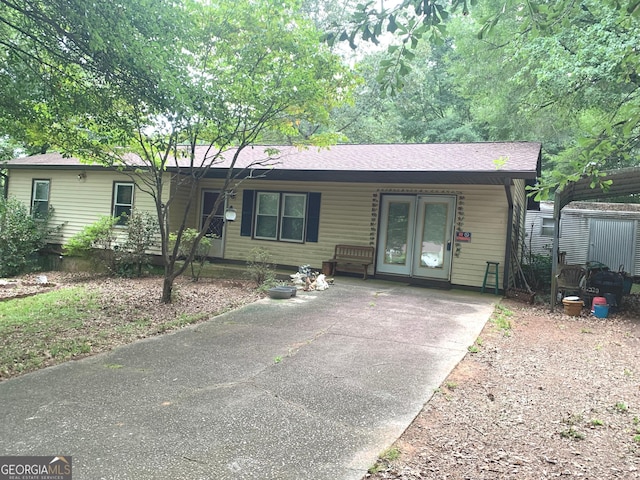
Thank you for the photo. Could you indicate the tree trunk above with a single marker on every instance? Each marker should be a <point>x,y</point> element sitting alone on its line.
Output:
<point>167,288</point>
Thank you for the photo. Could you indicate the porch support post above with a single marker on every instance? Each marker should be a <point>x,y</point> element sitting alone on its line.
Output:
<point>507,252</point>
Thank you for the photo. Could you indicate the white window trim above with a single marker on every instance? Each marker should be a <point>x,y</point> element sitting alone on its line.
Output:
<point>283,197</point>
<point>35,189</point>
<point>280,216</point>
<point>544,227</point>
<point>115,203</point>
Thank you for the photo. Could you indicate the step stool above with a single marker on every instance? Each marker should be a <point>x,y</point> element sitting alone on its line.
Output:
<point>491,270</point>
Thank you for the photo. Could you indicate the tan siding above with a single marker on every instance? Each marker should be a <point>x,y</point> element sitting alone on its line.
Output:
<point>76,203</point>
<point>346,217</point>
<point>485,216</point>
<point>180,192</point>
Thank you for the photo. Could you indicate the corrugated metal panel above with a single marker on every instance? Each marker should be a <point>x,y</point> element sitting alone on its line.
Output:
<point>574,237</point>
<point>575,231</point>
<point>535,242</point>
<point>612,242</point>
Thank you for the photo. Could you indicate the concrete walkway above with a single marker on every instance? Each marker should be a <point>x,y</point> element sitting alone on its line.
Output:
<point>309,388</point>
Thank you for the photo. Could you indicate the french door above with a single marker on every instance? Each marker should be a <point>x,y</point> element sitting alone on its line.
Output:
<point>416,234</point>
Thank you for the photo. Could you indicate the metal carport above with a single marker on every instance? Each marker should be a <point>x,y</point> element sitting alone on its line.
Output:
<point>625,181</point>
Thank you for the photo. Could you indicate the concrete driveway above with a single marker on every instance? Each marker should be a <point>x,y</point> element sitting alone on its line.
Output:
<point>309,388</point>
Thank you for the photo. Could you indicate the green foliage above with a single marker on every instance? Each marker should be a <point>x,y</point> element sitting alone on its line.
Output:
<point>385,459</point>
<point>564,73</point>
<point>95,242</point>
<point>537,271</point>
<point>260,268</point>
<point>187,242</point>
<point>111,82</point>
<point>21,237</point>
<point>44,328</point>
<point>501,318</point>
<point>142,231</point>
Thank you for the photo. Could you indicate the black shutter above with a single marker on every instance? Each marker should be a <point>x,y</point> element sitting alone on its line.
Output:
<point>246,225</point>
<point>313,217</point>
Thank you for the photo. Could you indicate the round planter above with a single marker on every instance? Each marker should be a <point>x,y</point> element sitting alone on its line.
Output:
<point>280,293</point>
<point>572,306</point>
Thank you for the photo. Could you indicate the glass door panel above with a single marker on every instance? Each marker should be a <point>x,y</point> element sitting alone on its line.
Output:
<point>415,236</point>
<point>396,234</point>
<point>435,229</point>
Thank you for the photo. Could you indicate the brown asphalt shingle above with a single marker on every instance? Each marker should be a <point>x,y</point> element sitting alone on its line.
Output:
<point>441,157</point>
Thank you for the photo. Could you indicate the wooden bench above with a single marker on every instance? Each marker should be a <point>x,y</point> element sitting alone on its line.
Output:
<point>352,258</point>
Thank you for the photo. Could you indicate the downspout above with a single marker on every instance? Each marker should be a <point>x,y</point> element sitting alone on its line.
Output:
<point>507,253</point>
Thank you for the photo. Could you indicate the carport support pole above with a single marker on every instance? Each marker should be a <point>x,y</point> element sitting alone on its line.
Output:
<point>554,254</point>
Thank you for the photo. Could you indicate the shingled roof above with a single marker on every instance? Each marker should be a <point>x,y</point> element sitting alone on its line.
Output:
<point>413,163</point>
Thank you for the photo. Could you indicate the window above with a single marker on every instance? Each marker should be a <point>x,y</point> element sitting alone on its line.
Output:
<point>546,229</point>
<point>122,201</point>
<point>292,225</point>
<point>40,198</point>
<point>288,217</point>
<point>267,213</point>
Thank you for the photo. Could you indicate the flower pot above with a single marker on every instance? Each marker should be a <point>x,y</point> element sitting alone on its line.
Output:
<point>572,306</point>
<point>281,293</point>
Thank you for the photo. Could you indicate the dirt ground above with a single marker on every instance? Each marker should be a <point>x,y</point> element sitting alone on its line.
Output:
<point>127,310</point>
<point>130,296</point>
<point>553,397</point>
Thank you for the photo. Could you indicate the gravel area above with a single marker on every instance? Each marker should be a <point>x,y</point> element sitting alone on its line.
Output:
<point>553,396</point>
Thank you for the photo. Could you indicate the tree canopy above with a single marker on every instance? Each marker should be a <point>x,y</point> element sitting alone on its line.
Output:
<point>561,72</point>
<point>157,78</point>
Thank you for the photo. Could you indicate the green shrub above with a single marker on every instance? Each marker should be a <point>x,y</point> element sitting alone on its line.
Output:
<point>97,242</point>
<point>537,271</point>
<point>186,244</point>
<point>21,237</point>
<point>131,257</point>
<point>260,268</point>
<point>94,242</point>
